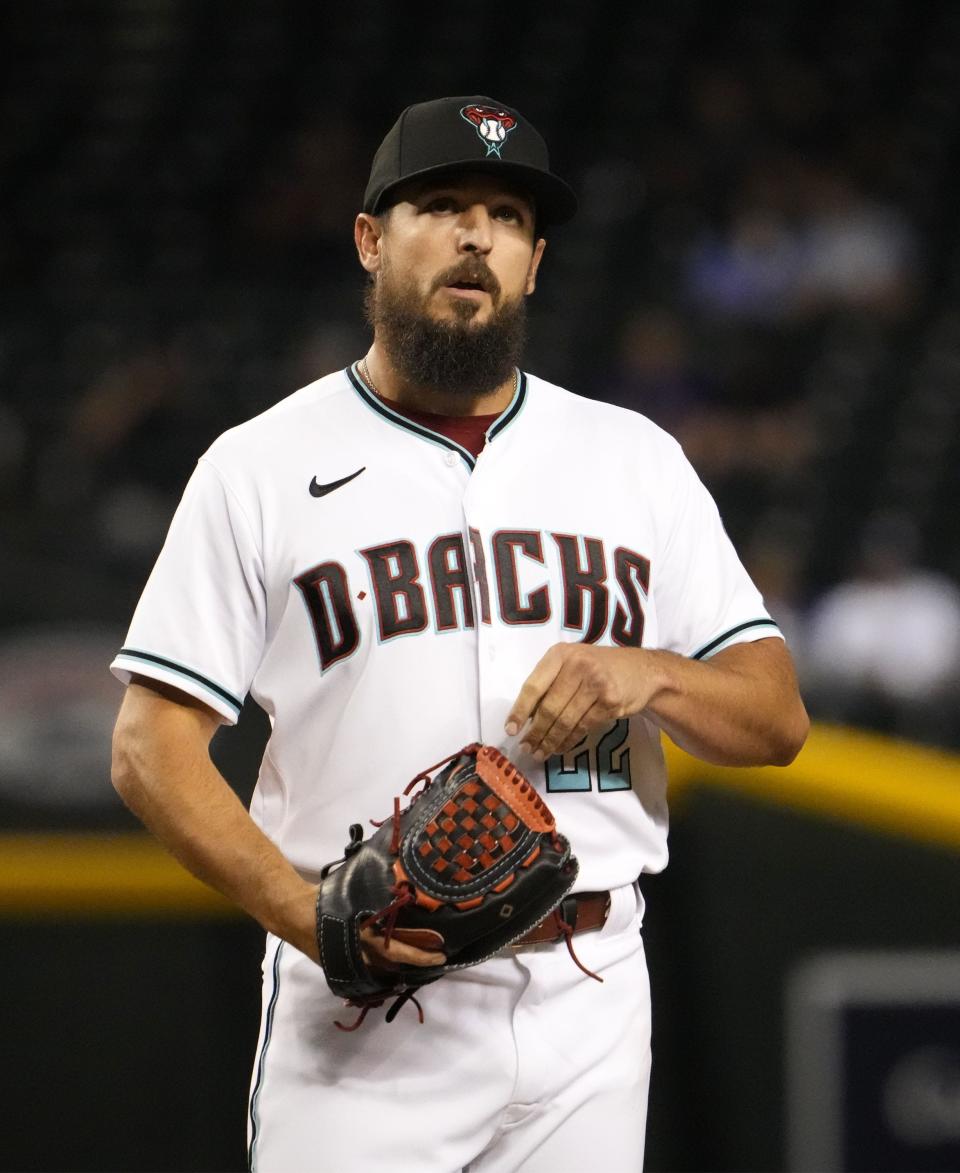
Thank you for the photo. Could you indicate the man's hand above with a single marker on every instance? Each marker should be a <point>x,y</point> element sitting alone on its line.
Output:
<point>579,687</point>
<point>398,952</point>
<point>296,919</point>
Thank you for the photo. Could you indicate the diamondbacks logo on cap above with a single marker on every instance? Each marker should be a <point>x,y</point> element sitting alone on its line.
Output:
<point>492,125</point>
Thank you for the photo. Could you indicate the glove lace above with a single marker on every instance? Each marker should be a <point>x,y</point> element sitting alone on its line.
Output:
<point>366,1007</point>
<point>567,931</point>
<point>427,774</point>
<point>386,918</point>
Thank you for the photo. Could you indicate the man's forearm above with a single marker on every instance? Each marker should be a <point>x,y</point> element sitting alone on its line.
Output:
<point>741,708</point>
<point>163,772</point>
<point>726,712</point>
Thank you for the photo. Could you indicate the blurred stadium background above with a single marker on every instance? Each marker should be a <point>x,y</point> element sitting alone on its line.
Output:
<point>767,262</point>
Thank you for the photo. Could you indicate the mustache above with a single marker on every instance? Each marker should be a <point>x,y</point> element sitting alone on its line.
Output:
<point>471,271</point>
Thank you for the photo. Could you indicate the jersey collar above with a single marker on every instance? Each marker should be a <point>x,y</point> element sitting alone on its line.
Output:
<point>375,403</point>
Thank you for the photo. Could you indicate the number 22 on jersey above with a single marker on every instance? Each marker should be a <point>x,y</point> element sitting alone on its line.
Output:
<point>607,761</point>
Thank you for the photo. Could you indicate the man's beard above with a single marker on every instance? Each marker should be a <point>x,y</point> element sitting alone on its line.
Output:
<point>456,356</point>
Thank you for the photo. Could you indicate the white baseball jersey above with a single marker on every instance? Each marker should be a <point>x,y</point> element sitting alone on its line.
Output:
<point>383,596</point>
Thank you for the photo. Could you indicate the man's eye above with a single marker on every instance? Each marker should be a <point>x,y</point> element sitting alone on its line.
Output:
<point>510,214</point>
<point>441,204</point>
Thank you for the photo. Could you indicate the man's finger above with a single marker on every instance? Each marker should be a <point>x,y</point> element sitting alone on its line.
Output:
<point>533,689</point>
<point>589,720</point>
<point>558,713</point>
<point>571,729</point>
<point>398,951</point>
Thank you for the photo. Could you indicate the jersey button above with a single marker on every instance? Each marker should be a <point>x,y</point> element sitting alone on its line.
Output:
<point>450,459</point>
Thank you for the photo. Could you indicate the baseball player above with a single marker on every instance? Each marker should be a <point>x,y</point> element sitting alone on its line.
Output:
<point>427,549</point>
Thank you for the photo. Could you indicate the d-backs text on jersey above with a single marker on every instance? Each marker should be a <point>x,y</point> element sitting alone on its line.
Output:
<point>401,578</point>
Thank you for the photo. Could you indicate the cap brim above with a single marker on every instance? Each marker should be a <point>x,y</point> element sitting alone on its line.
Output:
<point>555,201</point>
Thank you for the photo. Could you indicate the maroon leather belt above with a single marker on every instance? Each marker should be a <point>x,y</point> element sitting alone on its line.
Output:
<point>583,911</point>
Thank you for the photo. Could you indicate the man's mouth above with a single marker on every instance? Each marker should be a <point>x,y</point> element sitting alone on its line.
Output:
<point>470,282</point>
<point>472,290</point>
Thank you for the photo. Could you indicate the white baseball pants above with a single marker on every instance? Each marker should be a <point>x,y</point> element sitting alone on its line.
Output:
<point>523,1063</point>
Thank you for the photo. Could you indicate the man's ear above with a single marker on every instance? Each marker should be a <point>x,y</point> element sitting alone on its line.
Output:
<point>367,235</point>
<point>535,265</point>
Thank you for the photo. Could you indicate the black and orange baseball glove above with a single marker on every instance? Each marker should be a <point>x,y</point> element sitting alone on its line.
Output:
<point>469,866</point>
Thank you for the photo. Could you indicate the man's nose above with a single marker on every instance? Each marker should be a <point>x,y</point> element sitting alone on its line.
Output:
<point>475,230</point>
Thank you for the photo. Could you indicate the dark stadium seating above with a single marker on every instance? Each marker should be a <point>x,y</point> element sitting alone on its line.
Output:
<point>179,182</point>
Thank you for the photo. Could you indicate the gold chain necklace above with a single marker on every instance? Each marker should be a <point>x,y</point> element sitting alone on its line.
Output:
<point>365,372</point>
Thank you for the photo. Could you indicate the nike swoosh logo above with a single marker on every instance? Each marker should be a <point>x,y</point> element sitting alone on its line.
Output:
<point>318,490</point>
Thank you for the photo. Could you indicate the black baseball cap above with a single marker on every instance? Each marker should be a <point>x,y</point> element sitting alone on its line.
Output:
<point>467,134</point>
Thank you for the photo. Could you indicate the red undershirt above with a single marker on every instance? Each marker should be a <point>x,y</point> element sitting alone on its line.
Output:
<point>469,431</point>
